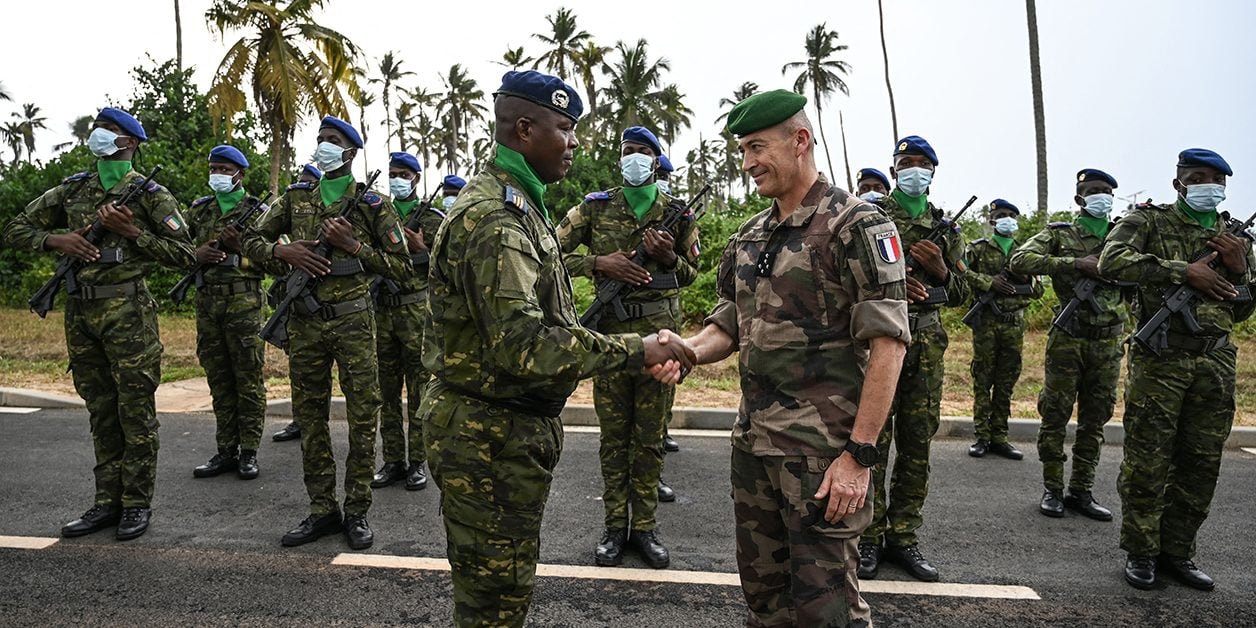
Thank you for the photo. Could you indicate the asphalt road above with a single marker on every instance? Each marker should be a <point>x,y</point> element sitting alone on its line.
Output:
<point>213,556</point>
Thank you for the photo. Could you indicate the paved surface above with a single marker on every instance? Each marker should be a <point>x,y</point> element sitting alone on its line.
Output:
<point>213,554</point>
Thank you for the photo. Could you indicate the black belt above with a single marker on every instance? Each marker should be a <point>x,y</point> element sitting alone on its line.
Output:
<point>921,321</point>
<point>108,292</point>
<point>227,289</point>
<point>524,404</point>
<point>1197,344</point>
<point>342,267</point>
<point>642,309</point>
<point>1089,332</point>
<point>398,300</point>
<point>329,311</point>
<point>232,260</point>
<point>110,256</point>
<point>1007,317</point>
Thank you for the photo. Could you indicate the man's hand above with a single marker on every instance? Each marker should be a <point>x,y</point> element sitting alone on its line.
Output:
<point>660,246</point>
<point>229,239</point>
<point>1233,251</point>
<point>1088,266</point>
<point>846,486</point>
<point>414,240</point>
<point>916,291</point>
<point>620,267</point>
<point>119,219</point>
<point>300,255</point>
<point>74,245</point>
<point>206,254</point>
<point>672,372</point>
<point>339,233</point>
<point>669,350</point>
<point>929,257</point>
<point>1001,285</point>
<point>1203,278</point>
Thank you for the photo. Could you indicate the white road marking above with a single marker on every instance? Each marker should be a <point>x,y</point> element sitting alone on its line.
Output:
<point>17,410</point>
<point>27,542</point>
<point>891,587</point>
<point>1250,450</point>
<point>593,429</point>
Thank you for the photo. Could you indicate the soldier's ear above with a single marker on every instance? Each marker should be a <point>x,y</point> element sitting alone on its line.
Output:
<point>1081,202</point>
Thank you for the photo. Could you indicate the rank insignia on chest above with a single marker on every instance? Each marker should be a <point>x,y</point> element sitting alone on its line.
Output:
<point>763,267</point>
<point>888,247</point>
<point>173,222</point>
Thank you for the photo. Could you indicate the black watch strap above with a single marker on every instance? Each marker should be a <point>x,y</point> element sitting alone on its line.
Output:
<point>863,453</point>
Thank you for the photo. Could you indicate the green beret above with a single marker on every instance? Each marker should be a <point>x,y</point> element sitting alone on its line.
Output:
<point>763,110</point>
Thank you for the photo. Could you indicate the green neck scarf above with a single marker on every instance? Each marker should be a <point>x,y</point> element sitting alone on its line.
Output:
<point>332,190</point>
<point>514,163</point>
<point>914,205</point>
<point>1097,226</point>
<point>111,171</point>
<point>405,207</point>
<point>1004,242</point>
<point>228,201</point>
<point>1206,220</point>
<point>641,199</point>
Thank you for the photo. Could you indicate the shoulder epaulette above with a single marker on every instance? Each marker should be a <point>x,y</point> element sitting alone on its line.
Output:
<point>301,185</point>
<point>201,201</point>
<point>78,176</point>
<point>515,200</point>
<point>153,187</point>
<point>1146,206</point>
<point>1059,225</point>
<point>979,241</point>
<point>597,196</point>
<point>372,199</point>
<point>437,212</point>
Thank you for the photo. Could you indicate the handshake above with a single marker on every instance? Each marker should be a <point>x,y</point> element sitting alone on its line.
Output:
<point>668,358</point>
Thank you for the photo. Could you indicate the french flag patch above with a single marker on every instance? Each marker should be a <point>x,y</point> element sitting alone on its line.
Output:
<point>888,247</point>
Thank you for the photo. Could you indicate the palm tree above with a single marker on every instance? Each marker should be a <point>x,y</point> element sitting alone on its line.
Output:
<point>515,58</point>
<point>746,90</point>
<point>363,99</point>
<point>420,119</point>
<point>589,60</point>
<point>178,37</point>
<point>81,128</point>
<point>1040,118</point>
<point>634,79</point>
<point>889,89</point>
<point>12,134</point>
<point>461,104</point>
<point>29,121</point>
<point>390,73</point>
<point>292,64</point>
<point>673,114</point>
<point>4,93</point>
<point>821,71</point>
<point>564,39</point>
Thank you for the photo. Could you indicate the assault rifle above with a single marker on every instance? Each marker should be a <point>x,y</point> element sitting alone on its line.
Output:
<point>975,318</point>
<point>937,294</point>
<point>412,224</point>
<point>1084,293</point>
<point>197,277</point>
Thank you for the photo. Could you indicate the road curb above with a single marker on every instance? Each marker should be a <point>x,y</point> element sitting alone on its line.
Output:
<point>36,399</point>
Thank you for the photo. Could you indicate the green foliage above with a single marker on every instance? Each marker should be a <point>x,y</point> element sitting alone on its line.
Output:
<point>715,229</point>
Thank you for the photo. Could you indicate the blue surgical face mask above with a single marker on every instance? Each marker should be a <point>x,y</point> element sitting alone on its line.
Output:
<point>871,196</point>
<point>328,156</point>
<point>221,183</point>
<point>667,189</point>
<point>102,142</point>
<point>448,201</point>
<point>1006,226</point>
<point>914,181</point>
<point>1098,205</point>
<point>637,168</point>
<point>400,188</point>
<point>1205,197</point>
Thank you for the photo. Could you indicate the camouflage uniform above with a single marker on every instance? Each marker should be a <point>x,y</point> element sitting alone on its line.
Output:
<point>997,341</point>
<point>506,350</point>
<point>111,324</point>
<point>316,339</point>
<point>1085,365</point>
<point>803,339</point>
<point>228,319</point>
<point>1179,406</point>
<point>400,310</point>
<point>916,412</point>
<point>632,407</point>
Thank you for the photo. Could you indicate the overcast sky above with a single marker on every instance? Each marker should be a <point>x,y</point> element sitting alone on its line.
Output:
<point>1128,83</point>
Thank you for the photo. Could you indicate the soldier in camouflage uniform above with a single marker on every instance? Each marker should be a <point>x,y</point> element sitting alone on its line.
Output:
<point>1084,356</point>
<point>812,294</point>
<point>936,282</point>
<point>999,331</point>
<point>400,310</point>
<point>111,320</point>
<point>632,407</point>
<point>342,329</point>
<point>505,349</point>
<point>1179,405</point>
<point>228,318</point>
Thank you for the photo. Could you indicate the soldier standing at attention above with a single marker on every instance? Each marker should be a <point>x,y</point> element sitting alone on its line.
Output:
<point>310,175</point>
<point>812,296</point>
<point>1000,337</point>
<point>1084,359</point>
<point>228,319</point>
<point>342,330</point>
<point>399,314</point>
<point>632,407</point>
<point>871,184</point>
<point>450,187</point>
<point>111,320</point>
<point>1179,405</point>
<point>938,281</point>
<point>506,349</point>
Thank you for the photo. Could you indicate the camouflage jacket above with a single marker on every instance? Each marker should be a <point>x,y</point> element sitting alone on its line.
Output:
<point>300,212</point>
<point>1152,246</point>
<point>1053,251</point>
<point>72,205</point>
<point>503,322</point>
<point>915,229</point>
<point>985,261</point>
<point>803,331</point>
<point>428,219</point>
<point>205,222</point>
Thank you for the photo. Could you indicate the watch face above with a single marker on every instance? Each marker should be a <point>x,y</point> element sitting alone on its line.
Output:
<point>866,455</point>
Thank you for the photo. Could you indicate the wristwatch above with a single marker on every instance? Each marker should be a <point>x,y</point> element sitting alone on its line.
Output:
<point>863,453</point>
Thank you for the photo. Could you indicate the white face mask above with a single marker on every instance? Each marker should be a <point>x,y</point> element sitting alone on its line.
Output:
<point>103,142</point>
<point>914,181</point>
<point>400,188</point>
<point>448,201</point>
<point>221,183</point>
<point>328,156</point>
<point>637,168</point>
<point>1006,226</point>
<point>1098,205</point>
<point>667,189</point>
<point>871,196</point>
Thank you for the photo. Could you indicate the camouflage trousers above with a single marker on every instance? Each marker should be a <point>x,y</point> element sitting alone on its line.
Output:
<point>233,355</point>
<point>796,568</point>
<point>494,467</point>
<point>1179,409</point>
<point>400,348</point>
<point>914,419</point>
<point>314,344</point>
<point>996,366</point>
<point>115,358</point>
<point>631,410</point>
<point>1087,371</point>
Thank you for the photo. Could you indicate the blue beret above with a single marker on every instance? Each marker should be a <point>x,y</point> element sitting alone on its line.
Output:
<point>311,169</point>
<point>999,203</point>
<point>1092,174</point>
<point>125,121</point>
<point>404,160</point>
<point>545,90</point>
<point>228,154</point>
<point>454,181</point>
<point>916,145</point>
<point>1202,157</point>
<point>345,129</point>
<point>643,136</point>
<point>872,173</point>
<point>665,164</point>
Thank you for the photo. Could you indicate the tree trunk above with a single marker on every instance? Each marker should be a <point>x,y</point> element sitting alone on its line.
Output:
<point>824,140</point>
<point>178,37</point>
<point>889,89</point>
<point>1040,121</point>
<point>276,156</point>
<point>841,123</point>
<point>388,118</point>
